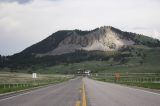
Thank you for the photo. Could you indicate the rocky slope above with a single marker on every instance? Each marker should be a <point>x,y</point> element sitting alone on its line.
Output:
<point>73,46</point>
<point>102,39</point>
<point>105,38</point>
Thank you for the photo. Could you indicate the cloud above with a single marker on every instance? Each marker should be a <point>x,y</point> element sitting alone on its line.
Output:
<point>24,1</point>
<point>156,34</point>
<point>18,1</point>
<point>24,25</point>
<point>54,0</point>
<point>140,28</point>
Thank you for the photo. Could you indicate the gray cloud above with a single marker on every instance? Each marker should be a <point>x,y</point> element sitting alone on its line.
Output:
<point>54,0</point>
<point>23,25</point>
<point>18,1</point>
<point>140,28</point>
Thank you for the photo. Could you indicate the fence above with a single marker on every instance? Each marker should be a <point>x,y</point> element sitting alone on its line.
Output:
<point>129,77</point>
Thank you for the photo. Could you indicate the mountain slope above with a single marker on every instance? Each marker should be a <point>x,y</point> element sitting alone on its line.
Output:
<point>104,38</point>
<point>47,44</point>
<point>106,44</point>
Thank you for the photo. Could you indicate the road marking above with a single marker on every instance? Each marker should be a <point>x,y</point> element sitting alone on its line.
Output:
<point>28,92</point>
<point>130,87</point>
<point>15,96</point>
<point>83,94</point>
<point>77,103</point>
<point>136,89</point>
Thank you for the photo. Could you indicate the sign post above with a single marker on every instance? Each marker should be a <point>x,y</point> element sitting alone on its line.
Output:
<point>34,76</point>
<point>117,76</point>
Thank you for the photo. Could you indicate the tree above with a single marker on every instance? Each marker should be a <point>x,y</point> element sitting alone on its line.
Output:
<point>0,61</point>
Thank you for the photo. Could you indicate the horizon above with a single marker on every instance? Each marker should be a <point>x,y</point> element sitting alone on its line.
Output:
<point>26,22</point>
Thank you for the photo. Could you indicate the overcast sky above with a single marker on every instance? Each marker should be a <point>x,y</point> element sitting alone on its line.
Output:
<point>25,22</point>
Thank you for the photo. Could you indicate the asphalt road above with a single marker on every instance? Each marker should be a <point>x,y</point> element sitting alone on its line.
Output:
<point>97,94</point>
<point>63,94</point>
<point>107,94</point>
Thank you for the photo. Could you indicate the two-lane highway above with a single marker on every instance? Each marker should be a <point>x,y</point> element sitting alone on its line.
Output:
<point>97,94</point>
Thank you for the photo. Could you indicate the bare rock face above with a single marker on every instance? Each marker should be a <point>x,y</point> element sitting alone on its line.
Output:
<point>102,39</point>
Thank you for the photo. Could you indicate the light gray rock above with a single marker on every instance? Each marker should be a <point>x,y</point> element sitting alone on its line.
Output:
<point>102,39</point>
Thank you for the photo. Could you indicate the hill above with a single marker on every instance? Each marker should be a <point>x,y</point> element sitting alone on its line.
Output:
<point>105,38</point>
<point>104,48</point>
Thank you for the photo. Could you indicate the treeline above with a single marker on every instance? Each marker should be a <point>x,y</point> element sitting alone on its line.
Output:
<point>3,61</point>
<point>25,61</point>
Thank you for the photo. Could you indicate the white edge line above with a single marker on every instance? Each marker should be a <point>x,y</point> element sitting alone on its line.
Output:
<point>143,90</point>
<point>130,87</point>
<point>28,92</point>
<point>23,93</point>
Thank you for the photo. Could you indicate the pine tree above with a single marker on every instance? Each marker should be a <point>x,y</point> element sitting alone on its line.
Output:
<point>0,61</point>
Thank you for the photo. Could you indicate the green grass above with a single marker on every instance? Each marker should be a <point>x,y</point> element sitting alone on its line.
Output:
<point>137,58</point>
<point>146,80</point>
<point>145,84</point>
<point>18,81</point>
<point>142,59</point>
<point>13,87</point>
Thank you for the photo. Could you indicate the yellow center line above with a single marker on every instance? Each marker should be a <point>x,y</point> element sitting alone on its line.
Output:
<point>77,103</point>
<point>83,94</point>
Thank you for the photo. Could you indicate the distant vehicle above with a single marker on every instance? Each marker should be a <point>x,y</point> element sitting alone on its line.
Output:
<point>84,72</point>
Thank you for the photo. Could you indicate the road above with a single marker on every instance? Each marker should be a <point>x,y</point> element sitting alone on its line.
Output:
<point>107,94</point>
<point>63,94</point>
<point>97,94</point>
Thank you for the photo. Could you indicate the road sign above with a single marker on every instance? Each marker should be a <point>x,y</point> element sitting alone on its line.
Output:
<point>34,75</point>
<point>117,76</point>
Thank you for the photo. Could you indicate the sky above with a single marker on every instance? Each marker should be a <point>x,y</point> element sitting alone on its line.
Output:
<point>26,22</point>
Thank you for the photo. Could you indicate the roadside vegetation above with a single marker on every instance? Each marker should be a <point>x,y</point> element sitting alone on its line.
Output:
<point>18,81</point>
<point>135,59</point>
<point>138,59</point>
<point>146,80</point>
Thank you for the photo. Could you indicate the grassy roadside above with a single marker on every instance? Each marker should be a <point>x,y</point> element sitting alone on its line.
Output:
<point>10,82</point>
<point>139,80</point>
<point>144,84</point>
